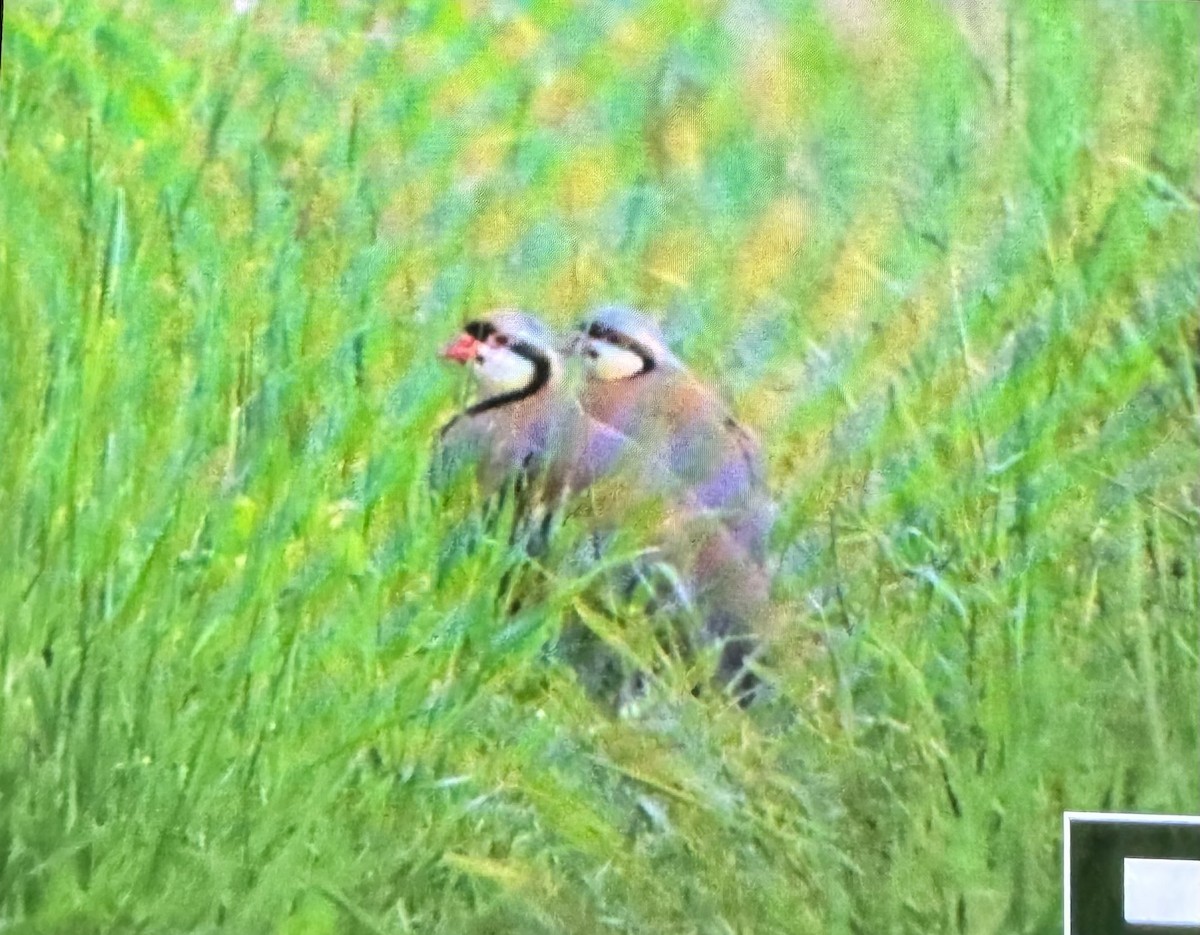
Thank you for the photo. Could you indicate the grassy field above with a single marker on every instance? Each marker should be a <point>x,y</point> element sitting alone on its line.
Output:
<point>944,260</point>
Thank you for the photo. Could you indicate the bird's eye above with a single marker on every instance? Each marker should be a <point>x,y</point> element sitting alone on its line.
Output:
<point>500,340</point>
<point>592,353</point>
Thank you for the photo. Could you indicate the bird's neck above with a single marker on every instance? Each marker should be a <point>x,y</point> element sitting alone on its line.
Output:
<point>543,373</point>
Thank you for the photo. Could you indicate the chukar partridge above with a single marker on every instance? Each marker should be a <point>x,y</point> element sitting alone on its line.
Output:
<point>525,421</point>
<point>526,433</point>
<point>527,424</point>
<point>638,387</point>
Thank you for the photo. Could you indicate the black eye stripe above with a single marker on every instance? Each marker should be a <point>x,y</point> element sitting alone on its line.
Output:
<point>479,330</point>
<point>617,339</point>
<point>612,336</point>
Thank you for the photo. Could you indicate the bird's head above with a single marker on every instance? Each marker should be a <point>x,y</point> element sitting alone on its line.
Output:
<point>617,343</point>
<point>507,351</point>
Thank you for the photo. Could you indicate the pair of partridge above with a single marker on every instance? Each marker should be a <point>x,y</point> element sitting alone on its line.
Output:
<point>641,416</point>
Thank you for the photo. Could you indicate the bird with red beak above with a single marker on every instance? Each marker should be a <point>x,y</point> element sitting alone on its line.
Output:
<point>524,420</point>
<point>526,424</point>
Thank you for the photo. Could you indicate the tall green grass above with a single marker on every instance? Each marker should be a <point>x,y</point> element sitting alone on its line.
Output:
<point>250,681</point>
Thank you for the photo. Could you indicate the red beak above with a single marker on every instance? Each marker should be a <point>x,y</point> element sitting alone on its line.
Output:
<point>462,349</point>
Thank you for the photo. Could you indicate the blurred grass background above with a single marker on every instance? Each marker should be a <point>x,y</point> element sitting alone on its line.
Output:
<point>943,256</point>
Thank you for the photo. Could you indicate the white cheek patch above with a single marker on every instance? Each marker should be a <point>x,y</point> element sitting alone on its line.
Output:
<point>606,361</point>
<point>502,370</point>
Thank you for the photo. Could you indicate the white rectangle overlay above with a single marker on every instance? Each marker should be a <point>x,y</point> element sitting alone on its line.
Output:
<point>1162,892</point>
<point>1070,818</point>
